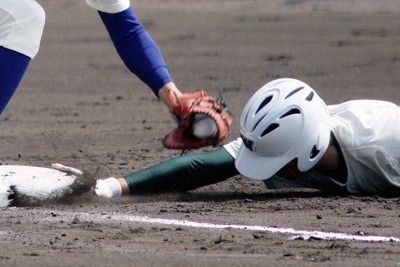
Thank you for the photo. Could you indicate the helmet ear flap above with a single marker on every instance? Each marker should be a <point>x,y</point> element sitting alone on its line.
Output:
<point>311,157</point>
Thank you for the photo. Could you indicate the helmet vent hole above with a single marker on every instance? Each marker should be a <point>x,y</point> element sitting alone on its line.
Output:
<point>294,91</point>
<point>258,122</point>
<point>314,152</point>
<point>269,129</point>
<point>291,112</point>
<point>310,96</point>
<point>264,103</point>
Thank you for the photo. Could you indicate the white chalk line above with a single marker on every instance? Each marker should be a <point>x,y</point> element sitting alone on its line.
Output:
<point>295,234</point>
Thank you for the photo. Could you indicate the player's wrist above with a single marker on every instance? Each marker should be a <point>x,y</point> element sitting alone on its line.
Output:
<point>125,190</point>
<point>164,96</point>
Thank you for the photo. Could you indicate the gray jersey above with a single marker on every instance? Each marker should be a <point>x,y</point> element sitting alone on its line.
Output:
<point>368,132</point>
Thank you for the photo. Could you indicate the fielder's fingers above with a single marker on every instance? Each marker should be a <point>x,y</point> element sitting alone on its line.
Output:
<point>66,169</point>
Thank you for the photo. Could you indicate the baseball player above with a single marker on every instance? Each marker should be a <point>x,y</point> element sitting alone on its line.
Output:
<point>289,138</point>
<point>143,58</point>
<point>21,28</point>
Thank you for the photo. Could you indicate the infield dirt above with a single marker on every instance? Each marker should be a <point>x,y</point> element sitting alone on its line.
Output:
<point>80,106</point>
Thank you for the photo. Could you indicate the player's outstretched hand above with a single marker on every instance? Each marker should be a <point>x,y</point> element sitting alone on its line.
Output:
<point>202,121</point>
<point>108,188</point>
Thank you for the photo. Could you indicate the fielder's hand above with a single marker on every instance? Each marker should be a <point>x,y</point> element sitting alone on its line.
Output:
<point>194,112</point>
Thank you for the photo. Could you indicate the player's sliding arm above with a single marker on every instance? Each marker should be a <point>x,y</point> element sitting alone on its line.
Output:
<point>175,175</point>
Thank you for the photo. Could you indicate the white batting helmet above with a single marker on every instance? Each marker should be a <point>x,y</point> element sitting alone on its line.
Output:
<point>285,119</point>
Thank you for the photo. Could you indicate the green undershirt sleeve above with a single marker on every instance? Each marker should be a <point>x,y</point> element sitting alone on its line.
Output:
<point>183,173</point>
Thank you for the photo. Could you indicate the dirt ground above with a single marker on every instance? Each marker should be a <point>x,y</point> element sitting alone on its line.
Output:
<point>79,105</point>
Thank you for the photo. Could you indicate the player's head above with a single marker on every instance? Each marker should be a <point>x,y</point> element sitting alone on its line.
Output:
<point>284,120</point>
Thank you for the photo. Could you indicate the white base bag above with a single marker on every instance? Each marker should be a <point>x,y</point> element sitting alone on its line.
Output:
<point>30,184</point>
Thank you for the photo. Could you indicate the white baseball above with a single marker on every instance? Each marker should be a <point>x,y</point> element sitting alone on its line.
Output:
<point>204,127</point>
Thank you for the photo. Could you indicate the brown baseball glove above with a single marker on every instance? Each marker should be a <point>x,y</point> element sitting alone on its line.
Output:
<point>186,108</point>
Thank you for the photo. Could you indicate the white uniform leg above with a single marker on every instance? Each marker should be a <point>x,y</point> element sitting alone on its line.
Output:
<point>21,26</point>
<point>109,6</point>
